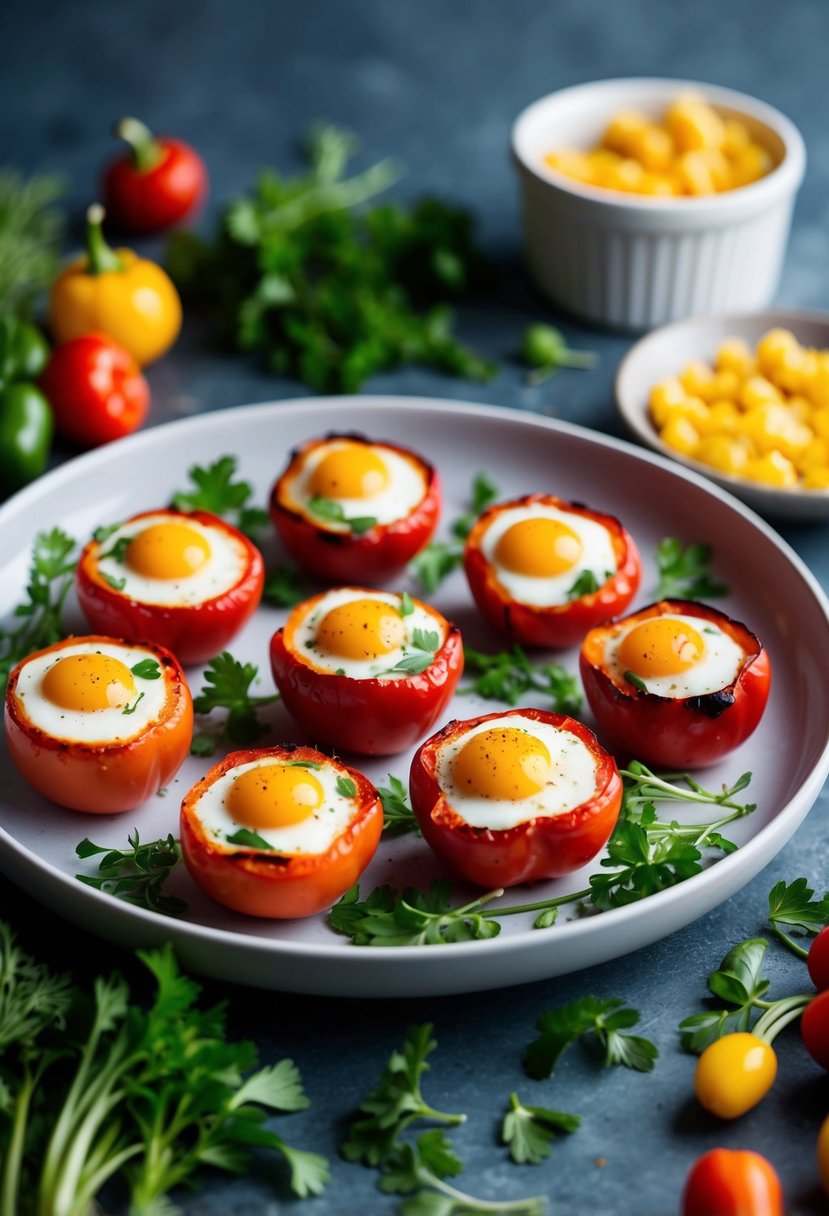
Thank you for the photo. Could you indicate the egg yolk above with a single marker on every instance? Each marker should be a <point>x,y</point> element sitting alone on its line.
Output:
<point>169,550</point>
<point>87,682</point>
<point>350,471</point>
<point>661,646</point>
<point>361,629</point>
<point>274,796</point>
<point>539,546</point>
<point>502,763</point>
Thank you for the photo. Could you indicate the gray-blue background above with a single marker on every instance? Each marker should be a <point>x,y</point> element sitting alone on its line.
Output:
<point>438,84</point>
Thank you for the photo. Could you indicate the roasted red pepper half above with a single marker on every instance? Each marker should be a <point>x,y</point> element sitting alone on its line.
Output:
<point>366,671</point>
<point>513,797</point>
<point>97,724</point>
<point>732,1182</point>
<point>156,183</point>
<point>96,390</point>
<point>677,684</point>
<point>351,510</point>
<point>543,571</point>
<point>188,581</point>
<point>279,832</point>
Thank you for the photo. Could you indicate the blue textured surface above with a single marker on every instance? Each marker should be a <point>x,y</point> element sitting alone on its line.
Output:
<point>438,85</point>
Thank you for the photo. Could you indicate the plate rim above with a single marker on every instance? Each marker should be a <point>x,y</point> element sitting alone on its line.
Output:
<point>744,863</point>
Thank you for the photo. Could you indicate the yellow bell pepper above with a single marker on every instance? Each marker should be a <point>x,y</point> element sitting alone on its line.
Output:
<point>114,292</point>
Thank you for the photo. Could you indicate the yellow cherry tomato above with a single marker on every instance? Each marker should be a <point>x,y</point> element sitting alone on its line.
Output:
<point>823,1154</point>
<point>114,292</point>
<point>734,1073</point>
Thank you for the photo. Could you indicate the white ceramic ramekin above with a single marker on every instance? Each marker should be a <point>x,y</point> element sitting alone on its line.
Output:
<point>635,262</point>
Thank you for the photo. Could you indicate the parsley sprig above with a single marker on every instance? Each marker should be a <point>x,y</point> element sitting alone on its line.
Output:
<point>437,561</point>
<point>51,575</point>
<point>509,674</point>
<point>529,1131</point>
<point>330,511</point>
<point>216,491</point>
<point>398,816</point>
<point>285,587</point>
<point>601,1021</point>
<point>792,909</point>
<point>136,874</point>
<point>684,573</point>
<point>227,686</point>
<point>418,654</point>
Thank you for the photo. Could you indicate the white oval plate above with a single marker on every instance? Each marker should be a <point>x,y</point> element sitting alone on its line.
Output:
<point>665,351</point>
<point>771,590</point>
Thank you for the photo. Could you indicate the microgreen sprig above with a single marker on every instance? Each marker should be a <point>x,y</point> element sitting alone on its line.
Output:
<point>136,874</point>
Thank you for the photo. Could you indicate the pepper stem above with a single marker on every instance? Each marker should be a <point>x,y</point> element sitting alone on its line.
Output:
<point>145,151</point>
<point>100,259</point>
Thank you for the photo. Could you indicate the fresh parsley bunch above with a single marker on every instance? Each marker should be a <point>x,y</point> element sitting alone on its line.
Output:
<point>326,290</point>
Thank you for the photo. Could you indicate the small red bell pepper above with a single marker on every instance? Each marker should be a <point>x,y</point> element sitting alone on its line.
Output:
<point>157,183</point>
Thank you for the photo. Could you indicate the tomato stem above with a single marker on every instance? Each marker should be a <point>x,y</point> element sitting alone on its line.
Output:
<point>145,151</point>
<point>779,1014</point>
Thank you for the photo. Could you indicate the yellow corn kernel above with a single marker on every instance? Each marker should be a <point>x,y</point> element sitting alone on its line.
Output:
<point>624,131</point>
<point>696,377</point>
<point>814,456</point>
<point>773,469</point>
<point>735,355</point>
<point>771,426</point>
<point>751,164</point>
<point>819,422</point>
<point>694,173</point>
<point>680,434</point>
<point>628,175</point>
<point>800,408</point>
<point>603,165</point>
<point>694,124</point>
<point>816,479</point>
<point>654,149</point>
<point>572,163</point>
<point>735,137</point>
<point>723,417</point>
<point>773,348</point>
<point>723,386</point>
<point>756,390</point>
<point>659,185</point>
<point>665,396</point>
<point>727,453</point>
<point>816,386</point>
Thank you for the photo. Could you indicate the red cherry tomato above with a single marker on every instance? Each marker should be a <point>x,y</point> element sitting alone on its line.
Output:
<point>553,624</point>
<point>732,1182</point>
<point>537,848</point>
<point>96,390</point>
<point>814,1029</point>
<point>327,548</point>
<point>818,960</point>
<point>195,629</point>
<point>675,732</point>
<point>157,183</point>
<point>368,716</point>
<point>101,777</point>
<point>266,883</point>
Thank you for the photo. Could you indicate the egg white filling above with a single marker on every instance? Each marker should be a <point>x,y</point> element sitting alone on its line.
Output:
<point>718,667</point>
<point>571,782</point>
<point>418,626</point>
<point>597,556</point>
<point>313,835</point>
<point>224,567</point>
<point>405,489</point>
<point>117,725</point>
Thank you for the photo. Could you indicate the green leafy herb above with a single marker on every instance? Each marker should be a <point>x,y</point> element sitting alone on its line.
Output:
<point>507,675</point>
<point>529,1131</point>
<point>398,817</point>
<point>117,584</point>
<point>417,918</point>
<point>346,787</point>
<point>147,669</point>
<point>684,573</point>
<point>406,605</point>
<point>333,512</point>
<point>31,229</point>
<point>419,654</point>
<point>636,681</point>
<point>119,550</point>
<point>217,492</point>
<point>102,534</point>
<point>136,874</point>
<point>395,1101</point>
<point>285,587</point>
<point>603,1021</point>
<point>50,579</point>
<point>130,709</point>
<point>329,293</point>
<point>737,981</point>
<point>437,560</point>
<point>248,839</point>
<point>227,686</point>
<point>793,910</point>
<point>585,584</point>
<point>545,348</point>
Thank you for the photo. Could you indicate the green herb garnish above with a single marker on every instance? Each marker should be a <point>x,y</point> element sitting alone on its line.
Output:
<point>217,492</point>
<point>285,587</point>
<point>507,675</point>
<point>346,787</point>
<point>330,511</point>
<point>398,817</point>
<point>684,573</point>
<point>545,348</point>
<point>529,1131</point>
<point>248,839</point>
<point>136,874</point>
<point>31,229</point>
<point>601,1020</point>
<point>437,560</point>
<point>50,578</point>
<point>227,686</point>
<point>147,669</point>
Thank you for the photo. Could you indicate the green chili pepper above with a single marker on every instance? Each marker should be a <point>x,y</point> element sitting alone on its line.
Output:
<point>24,351</point>
<point>26,428</point>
